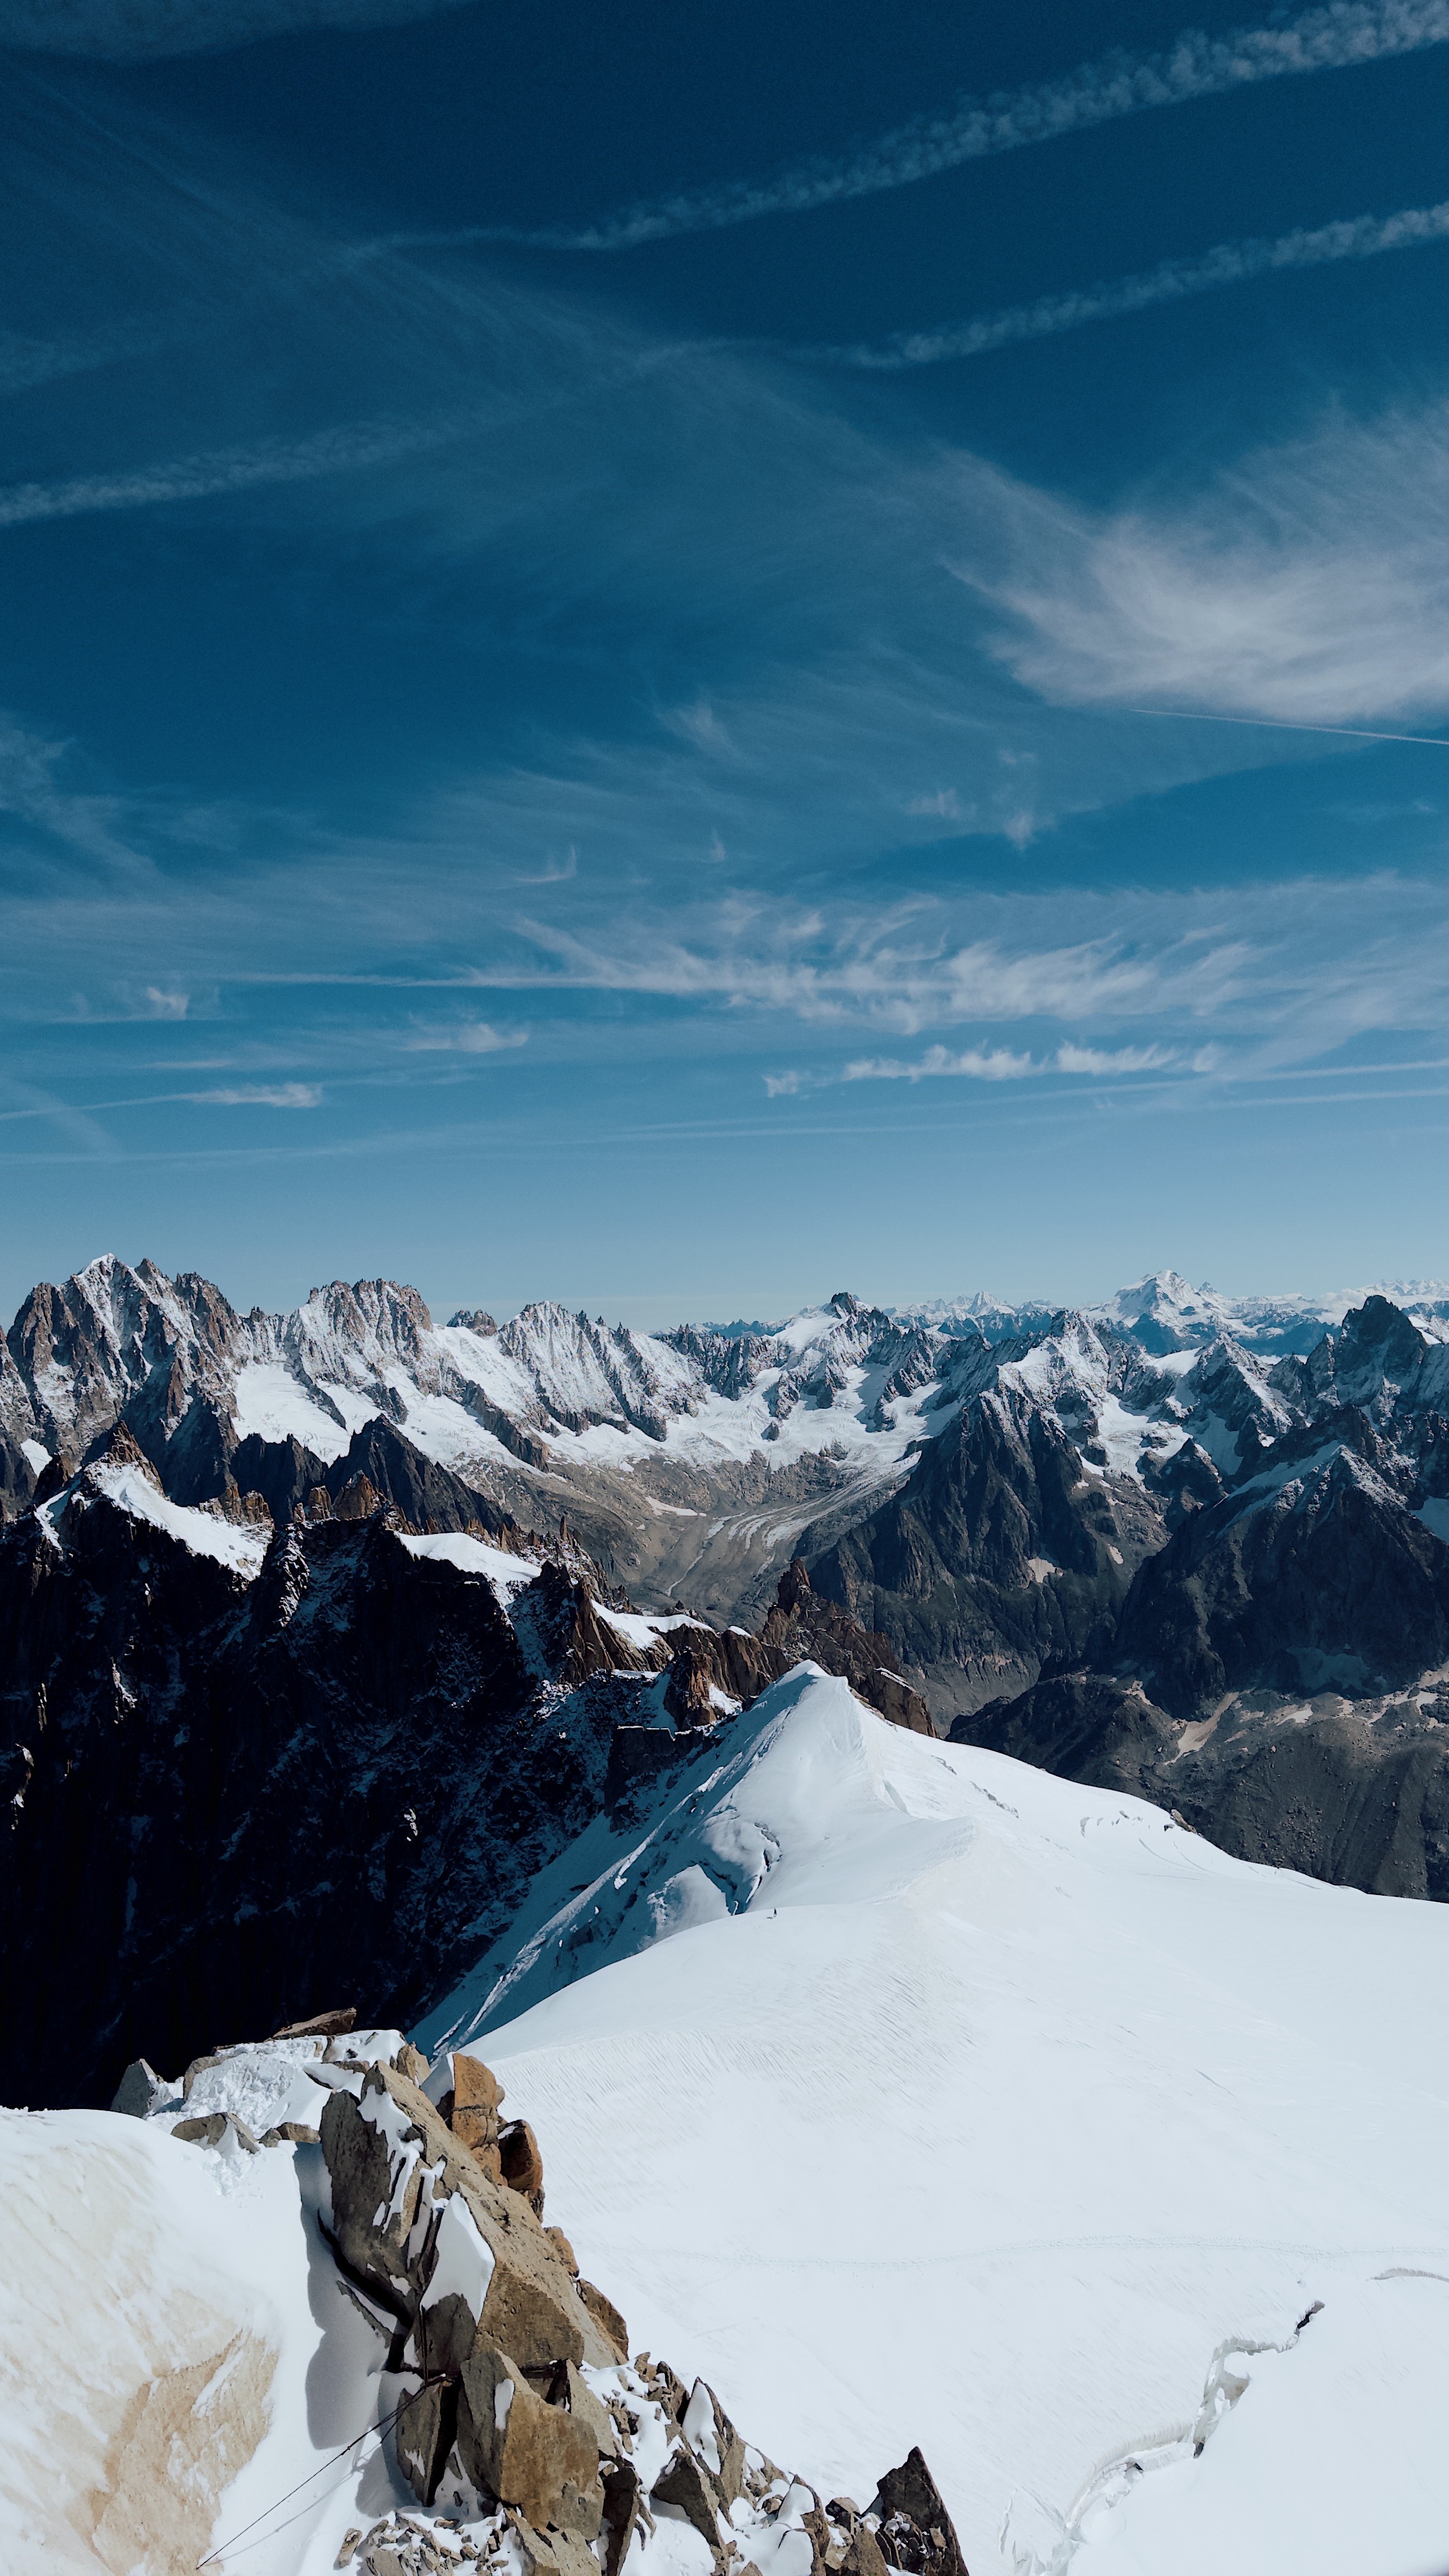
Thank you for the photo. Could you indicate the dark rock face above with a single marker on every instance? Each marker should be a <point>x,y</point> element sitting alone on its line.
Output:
<point>227,1800</point>
<point>999,1556</point>
<point>1355,1794</point>
<point>1316,1577</point>
<point>1091,1727</point>
<point>229,1790</point>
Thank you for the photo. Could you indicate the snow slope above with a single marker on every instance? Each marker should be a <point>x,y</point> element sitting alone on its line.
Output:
<point>174,2356</point>
<point>913,2095</point>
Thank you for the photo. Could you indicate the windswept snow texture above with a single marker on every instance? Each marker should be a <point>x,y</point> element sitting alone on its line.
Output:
<point>176,2356</point>
<point>912,2095</point>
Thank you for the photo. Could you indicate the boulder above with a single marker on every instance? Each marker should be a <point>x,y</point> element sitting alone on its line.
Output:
<point>713,2439</point>
<point>516,2446</point>
<point>212,2131</point>
<point>589,2411</point>
<point>562,2247</point>
<point>323,2025</point>
<point>620,2481</point>
<point>561,2554</point>
<point>862,2554</point>
<point>608,2325</point>
<point>473,2114</point>
<point>916,2532</point>
<point>292,2133</point>
<point>445,2334</point>
<point>139,2087</point>
<point>521,2161</point>
<point>411,2062</point>
<point>426,2431</point>
<point>685,2488</point>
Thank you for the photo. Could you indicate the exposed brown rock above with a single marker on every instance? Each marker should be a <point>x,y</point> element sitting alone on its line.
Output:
<point>563,2249</point>
<point>524,2451</point>
<point>560,2554</point>
<point>710,2434</point>
<point>802,1624</point>
<point>475,2086</point>
<point>532,2309</point>
<point>411,2062</point>
<point>607,2321</point>
<point>323,2025</point>
<point>473,2111</point>
<point>862,2554</point>
<point>522,2162</point>
<point>589,2411</point>
<point>210,2131</point>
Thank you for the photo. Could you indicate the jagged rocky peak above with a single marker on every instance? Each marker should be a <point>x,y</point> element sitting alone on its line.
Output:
<point>586,1372</point>
<point>1375,1356</point>
<point>367,1326</point>
<point>503,2423</point>
<point>110,1331</point>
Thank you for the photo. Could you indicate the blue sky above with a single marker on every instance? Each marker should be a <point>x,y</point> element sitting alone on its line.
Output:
<point>681,657</point>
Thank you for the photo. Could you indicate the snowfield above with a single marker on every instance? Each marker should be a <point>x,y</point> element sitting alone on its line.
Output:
<point>912,2095</point>
<point>907,2094</point>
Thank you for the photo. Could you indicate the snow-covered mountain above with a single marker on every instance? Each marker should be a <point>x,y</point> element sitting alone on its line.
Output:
<point>897,2092</point>
<point>1164,1312</point>
<point>694,1452</point>
<point>1084,1539</point>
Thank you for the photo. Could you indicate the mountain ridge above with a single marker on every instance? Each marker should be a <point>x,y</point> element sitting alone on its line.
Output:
<point>1215,1574</point>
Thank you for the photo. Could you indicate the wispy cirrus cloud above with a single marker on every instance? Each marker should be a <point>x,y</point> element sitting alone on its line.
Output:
<point>463,1037</point>
<point>350,448</point>
<point>1000,1064</point>
<point>1173,281</point>
<point>235,1095</point>
<point>260,1095</point>
<point>1195,65</point>
<point>1309,582</point>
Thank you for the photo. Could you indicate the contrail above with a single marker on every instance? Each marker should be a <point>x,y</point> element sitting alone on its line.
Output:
<point>1286,724</point>
<point>190,478</point>
<point>1227,264</point>
<point>1337,37</point>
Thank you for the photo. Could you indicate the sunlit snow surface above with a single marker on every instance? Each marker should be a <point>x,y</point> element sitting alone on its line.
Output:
<point>971,2108</point>
<point>133,1489</point>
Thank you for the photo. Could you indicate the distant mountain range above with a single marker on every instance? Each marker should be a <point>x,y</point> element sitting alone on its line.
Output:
<point>345,1596</point>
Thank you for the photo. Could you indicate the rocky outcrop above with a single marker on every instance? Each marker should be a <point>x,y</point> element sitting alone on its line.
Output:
<point>709,1668</point>
<point>514,2415</point>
